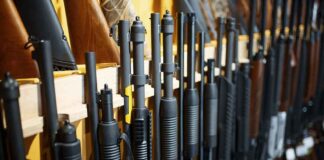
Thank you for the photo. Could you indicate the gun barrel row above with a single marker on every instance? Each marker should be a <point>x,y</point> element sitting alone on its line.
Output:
<point>265,108</point>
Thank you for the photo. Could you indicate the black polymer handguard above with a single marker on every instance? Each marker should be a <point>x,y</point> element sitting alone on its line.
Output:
<point>9,93</point>
<point>41,22</point>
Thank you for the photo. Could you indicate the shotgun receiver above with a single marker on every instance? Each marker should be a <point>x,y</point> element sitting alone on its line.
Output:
<point>168,110</point>
<point>226,100</point>
<point>13,38</point>
<point>91,32</point>
<point>41,22</point>
<point>63,142</point>
<point>141,116</point>
<point>9,93</point>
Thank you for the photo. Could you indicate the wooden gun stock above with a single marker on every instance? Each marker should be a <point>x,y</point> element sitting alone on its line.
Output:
<point>89,31</point>
<point>256,96</point>
<point>14,57</point>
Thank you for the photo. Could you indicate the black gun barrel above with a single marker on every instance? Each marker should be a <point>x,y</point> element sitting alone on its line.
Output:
<point>42,55</point>
<point>168,110</point>
<point>108,131</point>
<point>201,50</point>
<point>141,118</point>
<point>274,21</point>
<point>91,76</point>
<point>221,32</point>
<point>41,22</point>
<point>180,54</point>
<point>191,105</point>
<point>9,93</point>
<point>252,21</point>
<point>210,110</point>
<point>156,79</point>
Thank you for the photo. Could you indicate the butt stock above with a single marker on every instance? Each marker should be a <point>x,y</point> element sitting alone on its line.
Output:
<point>13,39</point>
<point>89,31</point>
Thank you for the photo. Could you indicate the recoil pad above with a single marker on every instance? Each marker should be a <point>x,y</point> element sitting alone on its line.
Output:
<point>168,128</point>
<point>109,140</point>
<point>210,115</point>
<point>191,119</point>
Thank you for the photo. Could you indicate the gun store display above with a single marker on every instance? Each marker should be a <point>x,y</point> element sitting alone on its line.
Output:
<point>162,80</point>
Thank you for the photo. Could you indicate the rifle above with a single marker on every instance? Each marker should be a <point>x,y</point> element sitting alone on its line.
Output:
<point>210,110</point>
<point>193,6</point>
<point>226,99</point>
<point>41,22</point>
<point>91,79</point>
<point>13,38</point>
<point>156,79</point>
<point>63,142</point>
<point>141,116</point>
<point>108,130</point>
<point>180,57</point>
<point>9,93</point>
<point>91,32</point>
<point>201,50</point>
<point>168,110</point>
<point>191,105</point>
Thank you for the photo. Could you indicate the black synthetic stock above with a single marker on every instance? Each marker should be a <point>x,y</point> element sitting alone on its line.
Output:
<point>191,105</point>
<point>41,22</point>
<point>42,55</point>
<point>91,83</point>
<point>156,80</point>
<point>168,111</point>
<point>108,131</point>
<point>180,56</point>
<point>201,42</point>
<point>140,119</point>
<point>210,110</point>
<point>9,93</point>
<point>189,6</point>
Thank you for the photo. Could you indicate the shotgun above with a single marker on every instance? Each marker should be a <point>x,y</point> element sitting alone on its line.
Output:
<point>298,103</point>
<point>191,97</point>
<point>108,130</point>
<point>155,73</point>
<point>201,50</point>
<point>180,57</point>
<point>41,22</point>
<point>168,110</point>
<point>226,99</point>
<point>256,74</point>
<point>193,6</point>
<point>141,116</point>
<point>9,93</point>
<point>91,81</point>
<point>210,111</point>
<point>125,77</point>
<point>243,91</point>
<point>289,64</point>
<point>13,38</point>
<point>63,143</point>
<point>91,32</point>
